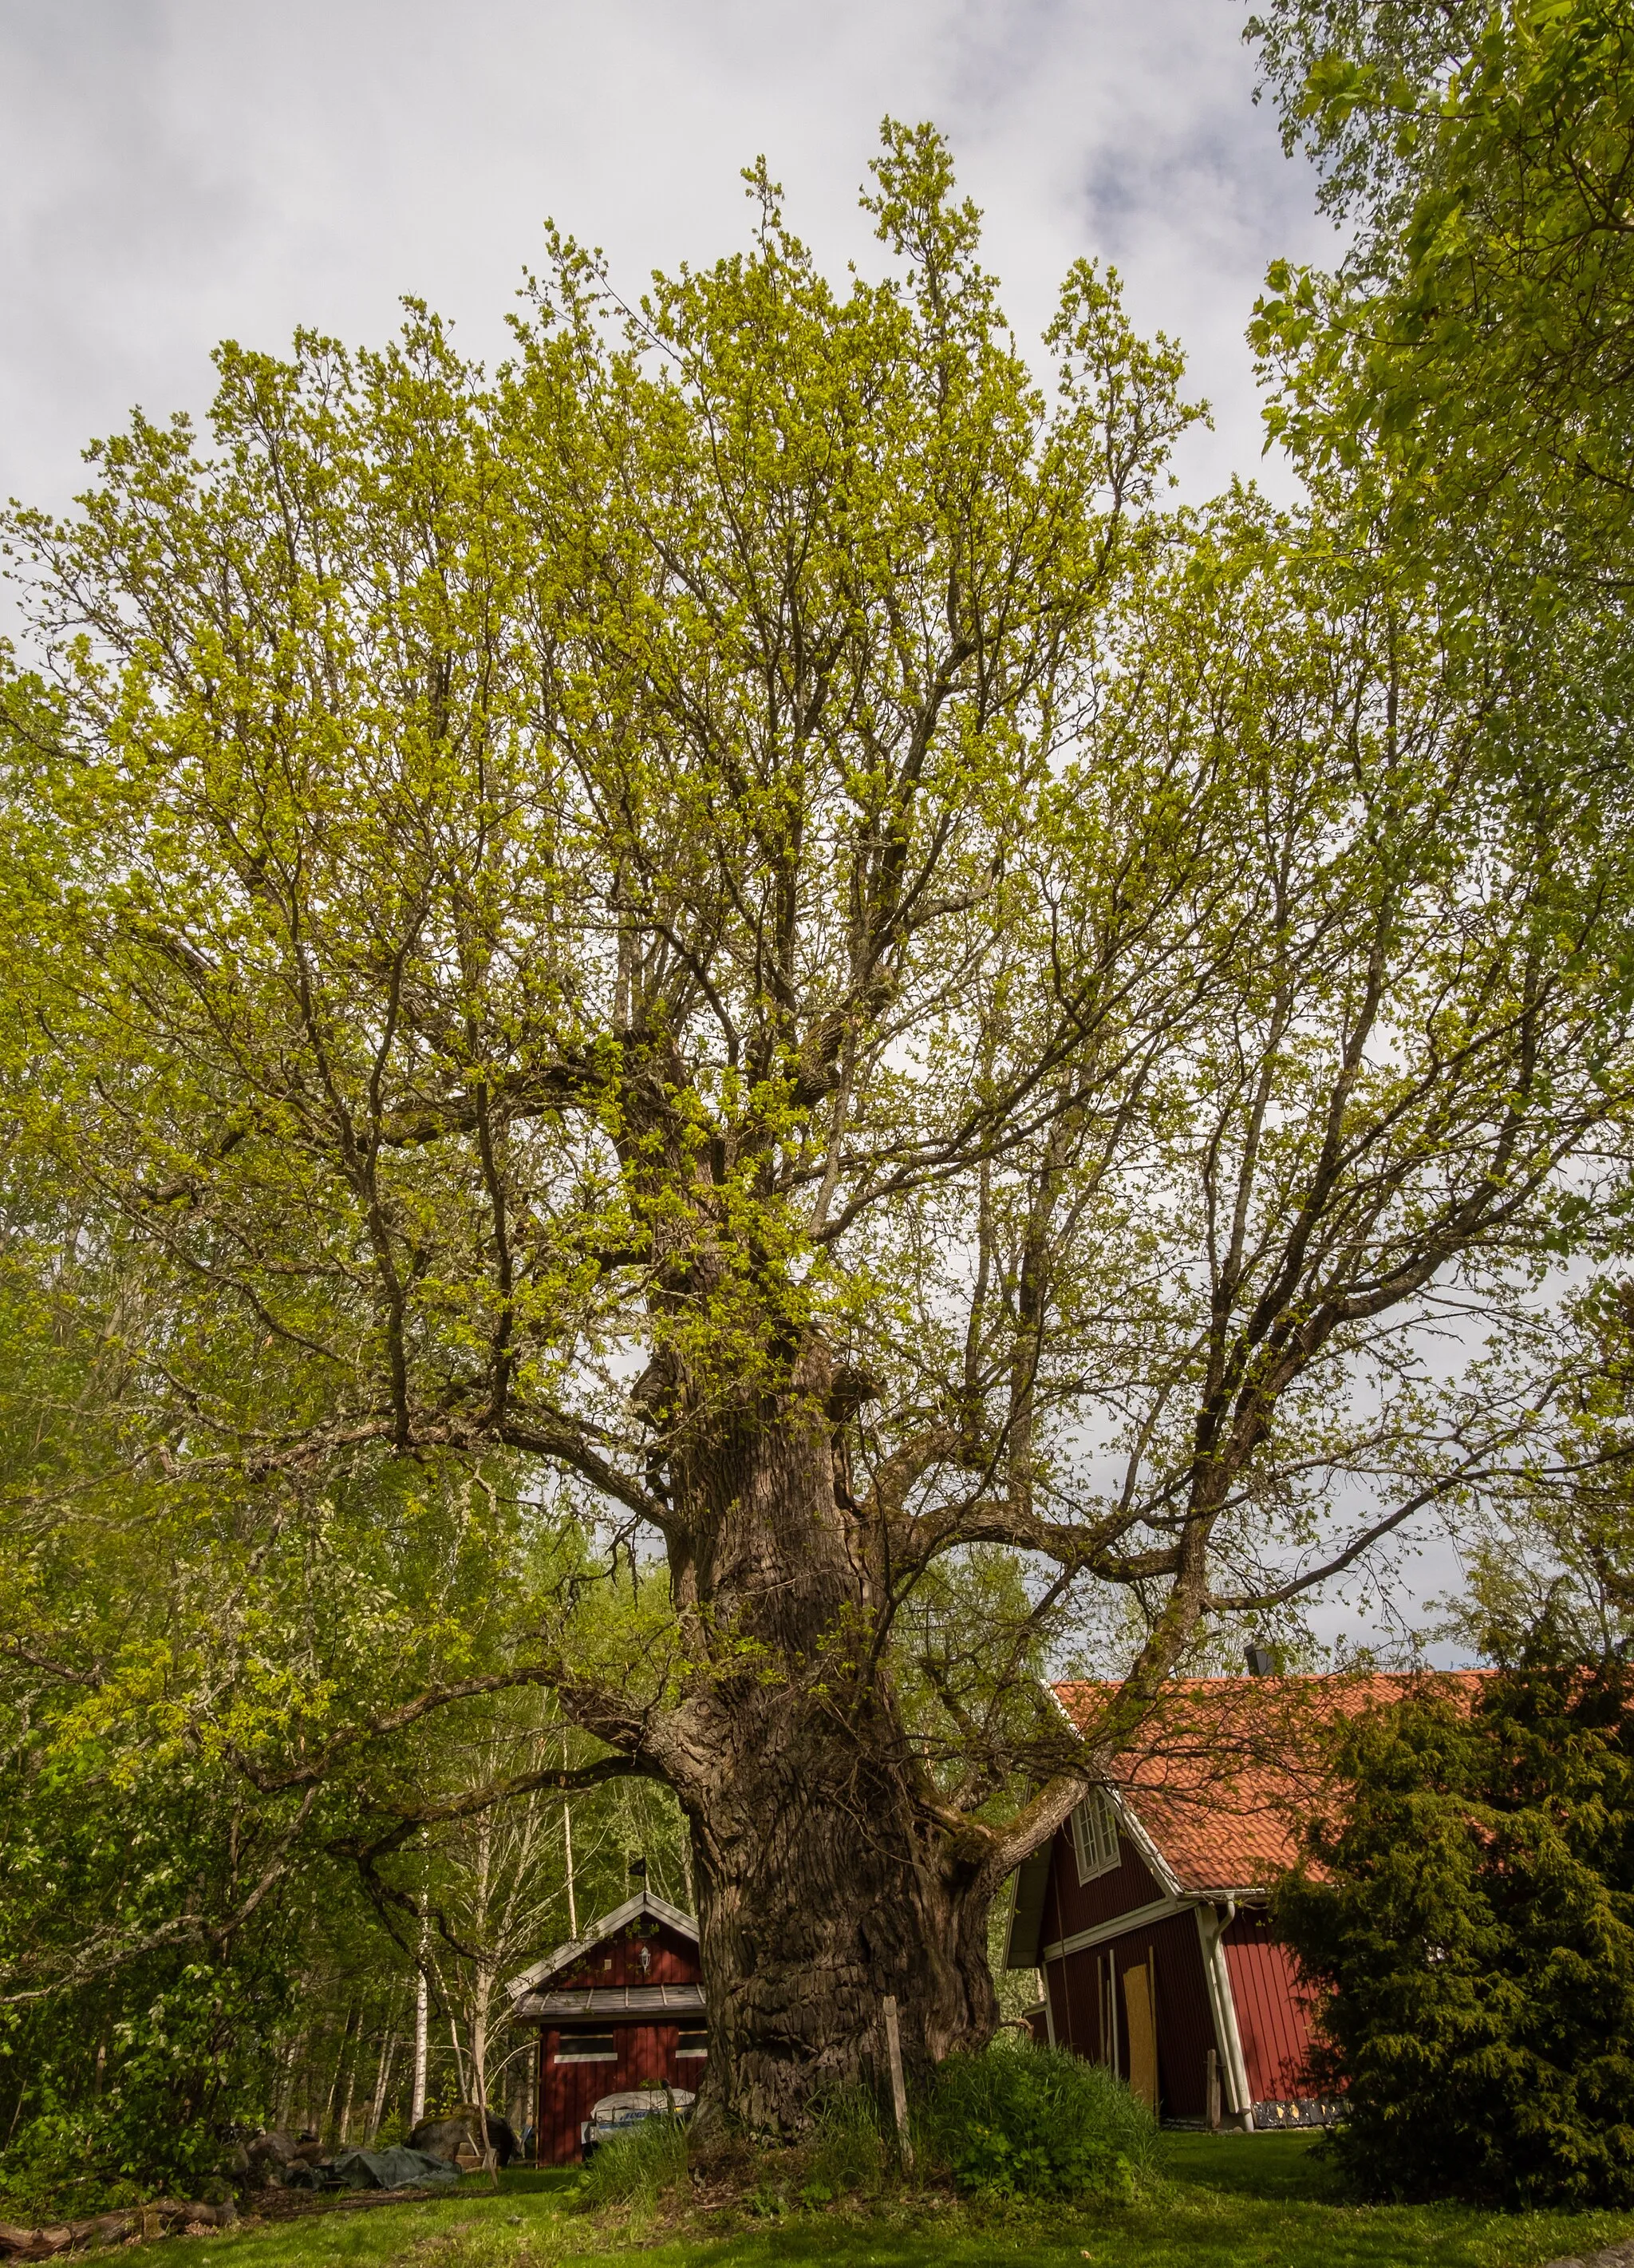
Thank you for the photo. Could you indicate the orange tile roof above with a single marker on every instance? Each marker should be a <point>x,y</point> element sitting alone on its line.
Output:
<point>1225,1771</point>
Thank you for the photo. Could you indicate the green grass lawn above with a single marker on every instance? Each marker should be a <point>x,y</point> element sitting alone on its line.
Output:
<point>1240,2201</point>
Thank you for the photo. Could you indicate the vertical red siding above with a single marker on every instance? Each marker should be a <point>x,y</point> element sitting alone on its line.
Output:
<point>1273,2018</point>
<point>646,2053</point>
<point>672,1959</point>
<point>1071,1905</point>
<point>1183,2019</point>
<point>1075,2001</point>
<point>1082,2033</point>
<point>1056,1993</point>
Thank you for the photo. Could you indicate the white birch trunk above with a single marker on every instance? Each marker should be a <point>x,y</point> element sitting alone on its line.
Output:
<point>422,2011</point>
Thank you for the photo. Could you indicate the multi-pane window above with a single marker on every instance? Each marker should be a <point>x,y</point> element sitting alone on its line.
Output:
<point>693,2044</point>
<point>1095,1835</point>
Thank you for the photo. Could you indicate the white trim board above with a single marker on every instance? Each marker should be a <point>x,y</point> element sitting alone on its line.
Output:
<point>1211,1927</point>
<point>1157,1866</point>
<point>1120,1925</point>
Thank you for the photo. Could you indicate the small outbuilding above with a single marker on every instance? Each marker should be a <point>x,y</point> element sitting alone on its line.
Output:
<point>618,2008</point>
<point>1146,1913</point>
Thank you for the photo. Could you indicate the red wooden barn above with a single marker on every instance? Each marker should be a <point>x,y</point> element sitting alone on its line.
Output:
<point>1146,1913</point>
<point>618,2009</point>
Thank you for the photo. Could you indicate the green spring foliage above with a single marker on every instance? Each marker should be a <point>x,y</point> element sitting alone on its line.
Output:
<point>1477,339</point>
<point>749,823</point>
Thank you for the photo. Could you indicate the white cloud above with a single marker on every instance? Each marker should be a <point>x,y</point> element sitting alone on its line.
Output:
<point>176,171</point>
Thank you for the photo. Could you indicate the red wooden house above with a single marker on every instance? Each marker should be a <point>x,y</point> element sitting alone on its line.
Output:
<point>1146,1913</point>
<point>618,2009</point>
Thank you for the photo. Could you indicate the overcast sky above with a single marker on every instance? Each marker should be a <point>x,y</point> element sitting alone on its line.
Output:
<point>179,170</point>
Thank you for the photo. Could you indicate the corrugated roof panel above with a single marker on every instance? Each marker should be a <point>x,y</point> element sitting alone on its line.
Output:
<point>584,2001</point>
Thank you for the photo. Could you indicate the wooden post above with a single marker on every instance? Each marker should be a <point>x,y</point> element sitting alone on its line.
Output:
<point>1213,2093</point>
<point>899,2092</point>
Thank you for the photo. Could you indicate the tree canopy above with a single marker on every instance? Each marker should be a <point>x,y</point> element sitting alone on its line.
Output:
<point>1481,329</point>
<point>728,945</point>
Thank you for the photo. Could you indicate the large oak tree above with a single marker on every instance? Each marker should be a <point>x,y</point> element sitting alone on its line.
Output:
<point>734,916</point>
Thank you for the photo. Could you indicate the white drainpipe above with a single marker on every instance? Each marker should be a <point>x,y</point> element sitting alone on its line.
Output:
<point>1211,1927</point>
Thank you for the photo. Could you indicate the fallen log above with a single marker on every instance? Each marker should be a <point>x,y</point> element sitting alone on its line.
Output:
<point>162,2218</point>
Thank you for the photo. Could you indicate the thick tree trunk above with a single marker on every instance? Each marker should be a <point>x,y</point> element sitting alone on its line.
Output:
<point>820,1889</point>
<point>825,1878</point>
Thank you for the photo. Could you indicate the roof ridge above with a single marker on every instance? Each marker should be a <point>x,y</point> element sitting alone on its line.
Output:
<point>1240,1681</point>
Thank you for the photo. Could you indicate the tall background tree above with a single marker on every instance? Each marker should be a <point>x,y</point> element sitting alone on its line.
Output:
<point>1478,336</point>
<point>727,943</point>
<point>1471,358</point>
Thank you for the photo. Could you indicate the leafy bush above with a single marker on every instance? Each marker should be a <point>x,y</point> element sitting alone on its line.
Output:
<point>1027,2122</point>
<point>187,2070</point>
<point>1468,1918</point>
<point>136,2078</point>
<point>51,2170</point>
<point>639,2167</point>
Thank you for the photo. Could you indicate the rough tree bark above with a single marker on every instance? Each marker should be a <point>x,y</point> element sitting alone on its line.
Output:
<point>823,1884</point>
<point>828,1871</point>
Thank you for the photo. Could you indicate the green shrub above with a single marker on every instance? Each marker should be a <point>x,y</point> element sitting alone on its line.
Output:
<point>187,2072</point>
<point>1027,2122</point>
<point>1469,1922</point>
<point>50,2170</point>
<point>639,2167</point>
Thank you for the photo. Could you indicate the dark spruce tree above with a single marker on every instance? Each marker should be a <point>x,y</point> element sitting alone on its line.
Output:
<point>1468,1917</point>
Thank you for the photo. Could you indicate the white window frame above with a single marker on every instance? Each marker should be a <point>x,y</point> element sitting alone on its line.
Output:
<point>1095,1836</point>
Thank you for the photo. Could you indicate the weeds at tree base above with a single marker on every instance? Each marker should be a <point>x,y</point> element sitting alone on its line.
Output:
<point>998,2137</point>
<point>641,2169</point>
